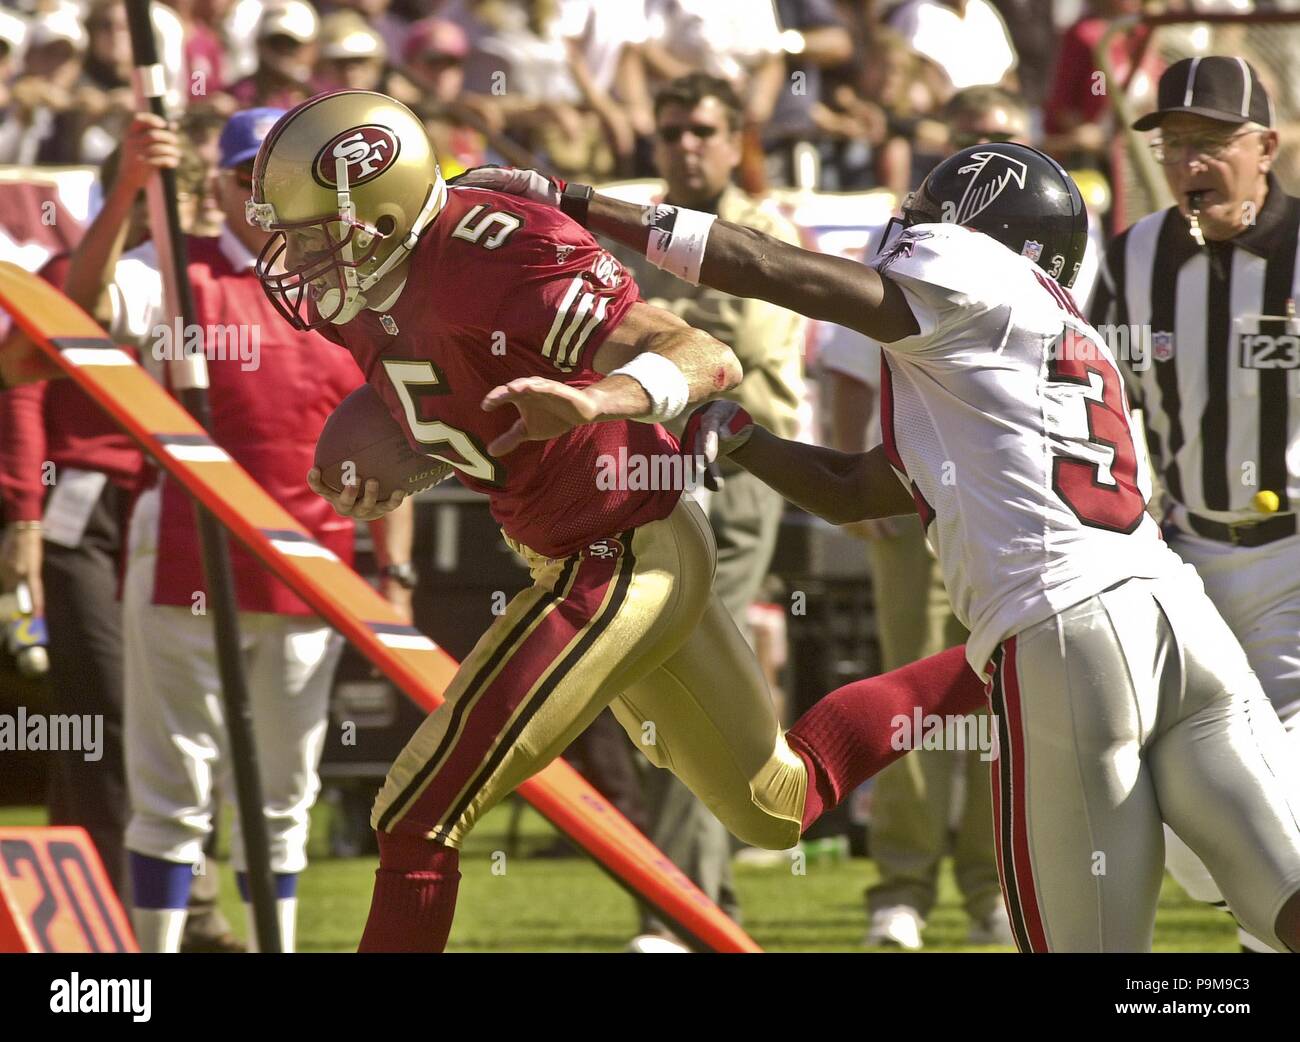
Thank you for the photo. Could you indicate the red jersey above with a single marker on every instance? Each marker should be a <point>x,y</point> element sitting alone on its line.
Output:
<point>267,412</point>
<point>55,421</point>
<point>1076,88</point>
<point>500,288</point>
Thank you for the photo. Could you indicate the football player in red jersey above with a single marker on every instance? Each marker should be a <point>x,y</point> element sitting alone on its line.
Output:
<point>465,309</point>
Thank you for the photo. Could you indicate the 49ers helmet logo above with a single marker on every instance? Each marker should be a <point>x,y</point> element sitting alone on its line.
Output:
<point>368,151</point>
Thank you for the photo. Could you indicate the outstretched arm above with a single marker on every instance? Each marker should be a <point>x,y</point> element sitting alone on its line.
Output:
<point>841,487</point>
<point>736,260</point>
<point>749,263</point>
<point>696,366</point>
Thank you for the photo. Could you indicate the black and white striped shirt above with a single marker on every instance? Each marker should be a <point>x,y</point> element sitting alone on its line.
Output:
<point>1210,344</point>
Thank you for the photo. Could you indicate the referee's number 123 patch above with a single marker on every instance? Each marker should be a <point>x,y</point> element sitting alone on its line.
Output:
<point>1265,351</point>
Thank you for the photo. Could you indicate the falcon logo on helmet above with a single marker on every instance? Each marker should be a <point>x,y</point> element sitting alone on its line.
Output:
<point>346,207</point>
<point>991,174</point>
<point>1043,218</point>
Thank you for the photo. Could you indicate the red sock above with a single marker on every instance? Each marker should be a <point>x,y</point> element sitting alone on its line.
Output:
<point>415,896</point>
<point>846,737</point>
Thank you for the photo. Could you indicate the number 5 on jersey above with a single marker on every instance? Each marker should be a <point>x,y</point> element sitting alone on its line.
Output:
<point>415,380</point>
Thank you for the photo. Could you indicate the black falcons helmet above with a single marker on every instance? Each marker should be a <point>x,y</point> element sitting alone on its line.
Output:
<point>1014,194</point>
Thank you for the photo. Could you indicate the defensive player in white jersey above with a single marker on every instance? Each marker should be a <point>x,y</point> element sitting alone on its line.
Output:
<point>1122,698</point>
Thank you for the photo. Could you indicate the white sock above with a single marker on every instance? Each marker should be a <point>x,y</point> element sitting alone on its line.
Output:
<point>158,929</point>
<point>286,913</point>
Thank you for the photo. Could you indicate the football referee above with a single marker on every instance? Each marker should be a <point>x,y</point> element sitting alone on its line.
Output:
<point>1200,299</point>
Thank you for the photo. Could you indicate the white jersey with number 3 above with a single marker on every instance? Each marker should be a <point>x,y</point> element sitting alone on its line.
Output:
<point>1006,417</point>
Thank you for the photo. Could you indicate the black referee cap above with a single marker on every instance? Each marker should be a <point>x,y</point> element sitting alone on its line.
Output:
<point>1215,86</point>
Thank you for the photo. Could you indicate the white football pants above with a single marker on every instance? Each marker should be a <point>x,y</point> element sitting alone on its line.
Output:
<point>1133,708</point>
<point>177,749</point>
<point>1257,591</point>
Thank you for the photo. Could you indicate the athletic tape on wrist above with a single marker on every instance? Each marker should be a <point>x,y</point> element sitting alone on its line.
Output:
<point>677,241</point>
<point>662,381</point>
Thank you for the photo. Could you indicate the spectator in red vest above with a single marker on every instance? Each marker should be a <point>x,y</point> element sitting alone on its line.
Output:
<point>270,392</point>
<point>1076,115</point>
<point>68,475</point>
<point>204,61</point>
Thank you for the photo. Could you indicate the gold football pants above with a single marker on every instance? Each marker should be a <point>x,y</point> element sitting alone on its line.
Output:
<point>629,622</point>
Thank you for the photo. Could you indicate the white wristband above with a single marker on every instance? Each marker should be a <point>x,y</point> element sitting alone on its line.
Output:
<point>662,381</point>
<point>677,241</point>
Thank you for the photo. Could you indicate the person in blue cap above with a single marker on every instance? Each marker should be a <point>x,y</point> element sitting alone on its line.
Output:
<point>270,390</point>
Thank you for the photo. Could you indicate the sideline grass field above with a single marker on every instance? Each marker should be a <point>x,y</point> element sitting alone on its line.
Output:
<point>569,905</point>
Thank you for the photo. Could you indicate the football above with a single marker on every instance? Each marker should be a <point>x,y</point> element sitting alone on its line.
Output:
<point>361,440</point>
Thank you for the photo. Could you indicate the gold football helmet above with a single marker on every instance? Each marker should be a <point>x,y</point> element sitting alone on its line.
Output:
<point>347,182</point>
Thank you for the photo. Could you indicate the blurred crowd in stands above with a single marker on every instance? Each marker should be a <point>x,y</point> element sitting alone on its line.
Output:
<point>838,94</point>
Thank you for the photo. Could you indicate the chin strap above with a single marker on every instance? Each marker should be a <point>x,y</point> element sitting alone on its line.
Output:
<point>433,204</point>
<point>348,214</point>
<point>354,294</point>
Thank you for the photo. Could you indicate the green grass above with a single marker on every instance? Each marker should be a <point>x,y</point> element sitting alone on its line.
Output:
<point>544,905</point>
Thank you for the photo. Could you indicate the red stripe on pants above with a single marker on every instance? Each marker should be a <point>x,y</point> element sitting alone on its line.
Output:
<point>495,706</point>
<point>1022,864</point>
<point>995,774</point>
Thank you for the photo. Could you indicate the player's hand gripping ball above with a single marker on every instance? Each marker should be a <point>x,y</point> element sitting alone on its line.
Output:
<point>364,464</point>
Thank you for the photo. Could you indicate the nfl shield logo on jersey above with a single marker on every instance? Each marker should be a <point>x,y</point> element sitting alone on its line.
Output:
<point>1162,346</point>
<point>1033,250</point>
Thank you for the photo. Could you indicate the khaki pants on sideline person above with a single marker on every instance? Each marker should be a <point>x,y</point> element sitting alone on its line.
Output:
<point>912,800</point>
<point>745,516</point>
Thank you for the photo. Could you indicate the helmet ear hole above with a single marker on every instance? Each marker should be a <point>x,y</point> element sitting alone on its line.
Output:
<point>386,225</point>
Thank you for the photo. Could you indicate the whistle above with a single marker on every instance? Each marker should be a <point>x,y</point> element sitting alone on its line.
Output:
<point>1194,206</point>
